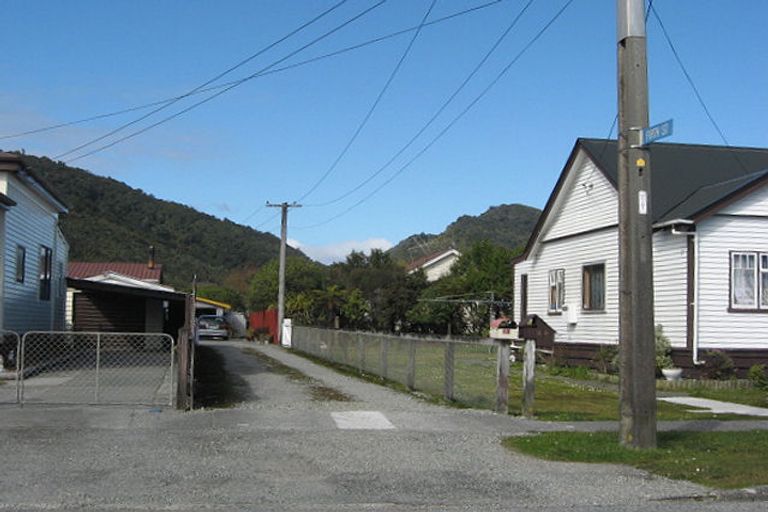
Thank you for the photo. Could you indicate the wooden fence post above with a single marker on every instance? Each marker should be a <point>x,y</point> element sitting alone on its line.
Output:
<point>182,380</point>
<point>448,371</point>
<point>410,377</point>
<point>502,376</point>
<point>529,377</point>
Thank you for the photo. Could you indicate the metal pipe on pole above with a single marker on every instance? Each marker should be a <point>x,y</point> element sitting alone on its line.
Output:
<point>281,272</point>
<point>637,386</point>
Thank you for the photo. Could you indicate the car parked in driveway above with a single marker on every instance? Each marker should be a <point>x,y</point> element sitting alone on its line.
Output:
<point>212,326</point>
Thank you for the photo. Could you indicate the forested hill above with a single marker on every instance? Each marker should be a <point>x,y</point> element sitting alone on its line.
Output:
<point>508,225</point>
<point>110,221</point>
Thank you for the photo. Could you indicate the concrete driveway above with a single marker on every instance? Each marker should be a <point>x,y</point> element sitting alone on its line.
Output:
<point>282,450</point>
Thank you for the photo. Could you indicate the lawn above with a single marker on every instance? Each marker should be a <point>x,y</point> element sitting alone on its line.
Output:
<point>717,459</point>
<point>560,395</point>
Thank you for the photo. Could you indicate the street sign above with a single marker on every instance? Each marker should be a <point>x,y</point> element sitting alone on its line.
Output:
<point>654,133</point>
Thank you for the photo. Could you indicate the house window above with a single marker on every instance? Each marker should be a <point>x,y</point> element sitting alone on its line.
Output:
<point>749,280</point>
<point>556,290</point>
<point>593,287</point>
<point>46,262</point>
<point>21,263</point>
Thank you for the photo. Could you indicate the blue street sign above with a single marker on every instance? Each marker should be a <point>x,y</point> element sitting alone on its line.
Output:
<point>659,131</point>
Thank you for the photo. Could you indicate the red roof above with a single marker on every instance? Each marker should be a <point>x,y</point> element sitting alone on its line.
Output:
<point>84,270</point>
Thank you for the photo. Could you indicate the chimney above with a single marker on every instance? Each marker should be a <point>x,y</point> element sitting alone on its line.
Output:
<point>151,262</point>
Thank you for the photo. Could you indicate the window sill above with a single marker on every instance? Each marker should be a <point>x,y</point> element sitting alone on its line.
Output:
<point>748,310</point>
<point>593,311</point>
<point>554,313</point>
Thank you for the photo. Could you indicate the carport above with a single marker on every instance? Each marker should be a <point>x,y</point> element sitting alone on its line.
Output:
<point>107,307</point>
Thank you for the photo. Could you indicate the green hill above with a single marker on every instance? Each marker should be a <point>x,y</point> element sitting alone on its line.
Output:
<point>507,225</point>
<point>110,221</point>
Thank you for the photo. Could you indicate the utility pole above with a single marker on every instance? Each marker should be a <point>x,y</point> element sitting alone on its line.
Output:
<point>637,427</point>
<point>281,273</point>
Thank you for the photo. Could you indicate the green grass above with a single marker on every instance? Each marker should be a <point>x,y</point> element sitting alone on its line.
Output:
<point>716,459</point>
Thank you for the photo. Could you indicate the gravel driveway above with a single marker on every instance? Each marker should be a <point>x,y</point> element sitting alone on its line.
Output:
<point>282,450</point>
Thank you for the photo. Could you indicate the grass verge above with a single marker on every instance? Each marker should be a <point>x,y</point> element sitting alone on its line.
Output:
<point>725,460</point>
<point>215,387</point>
<point>317,391</point>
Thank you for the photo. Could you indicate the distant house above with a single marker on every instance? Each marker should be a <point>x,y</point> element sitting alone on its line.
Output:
<point>435,265</point>
<point>710,252</point>
<point>34,252</point>
<point>122,297</point>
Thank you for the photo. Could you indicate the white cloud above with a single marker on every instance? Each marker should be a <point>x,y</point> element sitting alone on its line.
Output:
<point>331,253</point>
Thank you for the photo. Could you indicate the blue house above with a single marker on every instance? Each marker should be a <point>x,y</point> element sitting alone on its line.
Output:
<point>33,251</point>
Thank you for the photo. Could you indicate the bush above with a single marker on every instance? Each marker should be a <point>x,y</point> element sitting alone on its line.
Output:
<point>663,350</point>
<point>758,377</point>
<point>607,358</point>
<point>718,366</point>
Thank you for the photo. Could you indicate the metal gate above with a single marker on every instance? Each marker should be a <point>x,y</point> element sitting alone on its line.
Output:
<point>95,368</point>
<point>10,346</point>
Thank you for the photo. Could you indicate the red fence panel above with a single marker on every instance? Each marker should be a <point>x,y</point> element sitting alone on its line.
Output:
<point>266,319</point>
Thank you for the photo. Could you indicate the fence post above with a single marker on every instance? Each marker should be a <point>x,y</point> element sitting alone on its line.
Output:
<point>344,348</point>
<point>502,376</point>
<point>410,377</point>
<point>448,371</point>
<point>98,366</point>
<point>360,352</point>
<point>384,355</point>
<point>20,371</point>
<point>529,377</point>
<point>183,369</point>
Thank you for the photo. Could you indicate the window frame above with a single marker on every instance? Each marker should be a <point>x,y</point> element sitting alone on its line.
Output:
<point>759,272</point>
<point>21,263</point>
<point>556,283</point>
<point>586,290</point>
<point>45,273</point>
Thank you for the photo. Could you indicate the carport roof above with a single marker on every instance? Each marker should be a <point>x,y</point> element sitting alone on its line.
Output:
<point>87,285</point>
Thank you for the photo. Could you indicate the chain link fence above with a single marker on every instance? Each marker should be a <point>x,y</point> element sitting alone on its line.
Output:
<point>10,347</point>
<point>94,368</point>
<point>457,370</point>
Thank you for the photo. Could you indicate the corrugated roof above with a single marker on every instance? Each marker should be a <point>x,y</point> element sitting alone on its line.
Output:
<point>417,263</point>
<point>686,179</point>
<point>84,270</point>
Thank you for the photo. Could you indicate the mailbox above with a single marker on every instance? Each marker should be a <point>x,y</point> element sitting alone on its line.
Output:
<point>533,327</point>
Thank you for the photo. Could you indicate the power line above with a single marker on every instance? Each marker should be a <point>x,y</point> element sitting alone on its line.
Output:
<point>227,84</point>
<point>498,77</point>
<point>206,83</point>
<point>375,104</point>
<point>437,113</point>
<point>695,89</point>
<point>219,93</point>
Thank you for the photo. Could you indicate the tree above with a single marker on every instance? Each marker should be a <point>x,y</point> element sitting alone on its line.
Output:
<point>222,294</point>
<point>301,275</point>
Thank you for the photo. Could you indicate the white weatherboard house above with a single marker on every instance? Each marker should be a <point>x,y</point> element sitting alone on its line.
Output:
<point>435,265</point>
<point>33,253</point>
<point>710,252</point>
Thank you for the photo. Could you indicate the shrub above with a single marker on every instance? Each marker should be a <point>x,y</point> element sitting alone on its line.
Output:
<point>607,358</point>
<point>718,366</point>
<point>757,376</point>
<point>663,350</point>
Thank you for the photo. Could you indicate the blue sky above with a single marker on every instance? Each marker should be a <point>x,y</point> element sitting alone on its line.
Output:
<point>272,138</point>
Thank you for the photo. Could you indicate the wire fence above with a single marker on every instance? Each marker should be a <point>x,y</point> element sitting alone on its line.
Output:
<point>456,370</point>
<point>89,368</point>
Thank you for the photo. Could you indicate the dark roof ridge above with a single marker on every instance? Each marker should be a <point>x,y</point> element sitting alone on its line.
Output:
<point>709,147</point>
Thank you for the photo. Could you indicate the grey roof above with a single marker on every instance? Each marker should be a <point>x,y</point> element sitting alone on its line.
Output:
<point>687,179</point>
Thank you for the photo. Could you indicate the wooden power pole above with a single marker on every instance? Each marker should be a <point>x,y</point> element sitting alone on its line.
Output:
<point>637,426</point>
<point>281,272</point>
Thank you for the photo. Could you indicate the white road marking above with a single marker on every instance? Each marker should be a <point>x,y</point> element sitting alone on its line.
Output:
<point>361,420</point>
